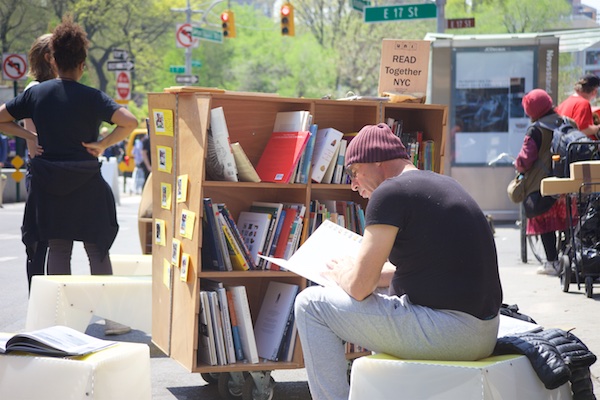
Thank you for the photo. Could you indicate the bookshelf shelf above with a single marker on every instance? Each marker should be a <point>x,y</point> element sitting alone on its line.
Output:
<point>245,274</point>
<point>250,120</point>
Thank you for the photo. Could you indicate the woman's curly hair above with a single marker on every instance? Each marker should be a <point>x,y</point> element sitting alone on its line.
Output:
<point>69,44</point>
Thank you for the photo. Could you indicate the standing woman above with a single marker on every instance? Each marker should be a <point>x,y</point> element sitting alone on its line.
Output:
<point>68,199</point>
<point>536,146</point>
<point>40,70</point>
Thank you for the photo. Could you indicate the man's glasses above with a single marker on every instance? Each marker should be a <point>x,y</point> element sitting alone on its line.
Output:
<point>351,172</point>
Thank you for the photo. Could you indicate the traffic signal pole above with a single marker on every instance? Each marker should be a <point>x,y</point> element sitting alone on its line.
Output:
<point>441,15</point>
<point>188,20</point>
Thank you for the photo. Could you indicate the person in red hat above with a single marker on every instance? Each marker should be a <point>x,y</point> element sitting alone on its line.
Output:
<point>428,240</point>
<point>536,148</point>
<point>577,106</point>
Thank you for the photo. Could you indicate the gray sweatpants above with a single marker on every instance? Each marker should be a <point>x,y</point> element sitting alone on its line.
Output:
<point>384,324</point>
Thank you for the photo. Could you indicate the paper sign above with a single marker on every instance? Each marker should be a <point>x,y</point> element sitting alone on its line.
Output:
<point>167,273</point>
<point>182,184</point>
<point>159,232</point>
<point>175,252</point>
<point>185,265</point>
<point>165,195</point>
<point>163,122</point>
<point>404,66</point>
<point>165,158</point>
<point>186,225</point>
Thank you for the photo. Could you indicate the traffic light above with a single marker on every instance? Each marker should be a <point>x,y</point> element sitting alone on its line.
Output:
<point>228,24</point>
<point>287,19</point>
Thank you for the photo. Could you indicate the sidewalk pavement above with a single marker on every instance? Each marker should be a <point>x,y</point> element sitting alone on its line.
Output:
<point>538,296</point>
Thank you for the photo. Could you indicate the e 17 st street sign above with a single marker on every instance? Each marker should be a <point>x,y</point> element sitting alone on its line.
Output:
<point>460,23</point>
<point>403,12</point>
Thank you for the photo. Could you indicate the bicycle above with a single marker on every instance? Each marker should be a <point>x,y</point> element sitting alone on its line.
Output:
<point>533,242</point>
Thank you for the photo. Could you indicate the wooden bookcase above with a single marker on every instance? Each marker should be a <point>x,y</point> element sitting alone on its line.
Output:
<point>250,120</point>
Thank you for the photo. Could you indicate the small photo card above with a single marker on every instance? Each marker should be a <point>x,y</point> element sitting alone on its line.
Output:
<point>186,226</point>
<point>163,121</point>
<point>165,195</point>
<point>165,158</point>
<point>159,232</point>
<point>185,265</point>
<point>182,184</point>
<point>176,253</point>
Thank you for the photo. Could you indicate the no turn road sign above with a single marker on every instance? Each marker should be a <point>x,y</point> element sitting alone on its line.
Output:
<point>14,67</point>
<point>183,36</point>
<point>123,85</point>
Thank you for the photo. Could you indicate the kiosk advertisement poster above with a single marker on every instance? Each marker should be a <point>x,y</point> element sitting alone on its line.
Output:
<point>487,115</point>
<point>404,67</point>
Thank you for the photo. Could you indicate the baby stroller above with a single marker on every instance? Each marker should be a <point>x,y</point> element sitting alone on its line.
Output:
<point>582,263</point>
<point>581,258</point>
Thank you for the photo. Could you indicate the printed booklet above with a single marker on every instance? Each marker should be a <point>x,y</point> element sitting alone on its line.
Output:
<point>55,341</point>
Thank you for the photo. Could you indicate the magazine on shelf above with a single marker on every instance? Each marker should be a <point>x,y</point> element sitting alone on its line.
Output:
<point>220,163</point>
<point>328,241</point>
<point>272,319</point>
<point>54,341</point>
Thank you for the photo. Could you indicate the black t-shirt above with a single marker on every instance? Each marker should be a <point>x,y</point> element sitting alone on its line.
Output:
<point>65,114</point>
<point>444,253</point>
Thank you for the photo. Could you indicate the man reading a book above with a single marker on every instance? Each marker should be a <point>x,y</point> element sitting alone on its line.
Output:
<point>425,238</point>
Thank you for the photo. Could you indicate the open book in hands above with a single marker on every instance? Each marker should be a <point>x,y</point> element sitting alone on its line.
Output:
<point>55,341</point>
<point>327,242</point>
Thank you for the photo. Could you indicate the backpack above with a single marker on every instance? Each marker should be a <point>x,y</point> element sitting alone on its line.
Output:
<point>568,145</point>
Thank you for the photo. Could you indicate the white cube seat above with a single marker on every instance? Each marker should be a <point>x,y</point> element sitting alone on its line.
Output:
<point>119,372</point>
<point>507,377</point>
<point>72,300</point>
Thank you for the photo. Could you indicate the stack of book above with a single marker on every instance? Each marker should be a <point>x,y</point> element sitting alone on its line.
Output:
<point>272,229</point>
<point>226,332</point>
<point>421,152</point>
<point>296,152</point>
<point>348,214</point>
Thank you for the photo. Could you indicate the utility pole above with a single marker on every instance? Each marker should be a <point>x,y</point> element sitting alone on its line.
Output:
<point>188,20</point>
<point>441,16</point>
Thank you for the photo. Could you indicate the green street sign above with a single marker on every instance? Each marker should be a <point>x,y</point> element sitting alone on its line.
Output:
<point>403,12</point>
<point>207,34</point>
<point>359,5</point>
<point>177,69</point>
<point>196,63</point>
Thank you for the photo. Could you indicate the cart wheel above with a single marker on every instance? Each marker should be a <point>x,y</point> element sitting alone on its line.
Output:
<point>231,385</point>
<point>565,276</point>
<point>589,286</point>
<point>251,392</point>
<point>210,377</point>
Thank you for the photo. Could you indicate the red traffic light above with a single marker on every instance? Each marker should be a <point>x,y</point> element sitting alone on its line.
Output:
<point>225,16</point>
<point>285,10</point>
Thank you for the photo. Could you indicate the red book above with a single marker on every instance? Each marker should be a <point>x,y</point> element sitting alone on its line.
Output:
<point>281,155</point>
<point>290,216</point>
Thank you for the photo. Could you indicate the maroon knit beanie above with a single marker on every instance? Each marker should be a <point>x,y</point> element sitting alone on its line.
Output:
<point>374,143</point>
<point>537,103</point>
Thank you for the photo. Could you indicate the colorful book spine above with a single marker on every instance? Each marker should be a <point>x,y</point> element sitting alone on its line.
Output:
<point>235,330</point>
<point>216,249</point>
<point>307,156</point>
<point>238,261</point>
<point>237,235</point>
